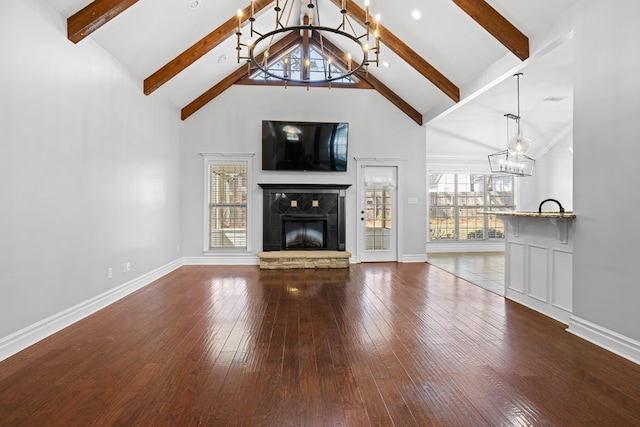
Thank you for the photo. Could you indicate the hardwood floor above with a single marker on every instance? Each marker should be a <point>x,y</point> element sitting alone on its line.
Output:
<point>375,344</point>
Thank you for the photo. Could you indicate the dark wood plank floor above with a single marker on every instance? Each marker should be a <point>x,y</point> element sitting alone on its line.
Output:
<point>377,344</point>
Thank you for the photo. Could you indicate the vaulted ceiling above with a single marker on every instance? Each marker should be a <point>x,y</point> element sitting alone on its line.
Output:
<point>435,63</point>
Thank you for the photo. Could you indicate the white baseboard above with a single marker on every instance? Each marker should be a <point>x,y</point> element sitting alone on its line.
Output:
<point>549,310</point>
<point>222,259</point>
<point>30,335</point>
<point>453,247</point>
<point>614,342</point>
<point>414,258</point>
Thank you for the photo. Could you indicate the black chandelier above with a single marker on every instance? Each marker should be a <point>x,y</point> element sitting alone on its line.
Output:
<point>331,65</point>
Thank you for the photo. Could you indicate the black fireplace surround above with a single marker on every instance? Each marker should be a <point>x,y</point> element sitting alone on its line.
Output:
<point>303,217</point>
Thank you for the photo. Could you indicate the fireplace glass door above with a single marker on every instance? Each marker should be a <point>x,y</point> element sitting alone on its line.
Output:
<point>304,234</point>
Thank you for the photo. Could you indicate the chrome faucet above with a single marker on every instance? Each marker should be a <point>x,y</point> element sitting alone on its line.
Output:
<point>550,200</point>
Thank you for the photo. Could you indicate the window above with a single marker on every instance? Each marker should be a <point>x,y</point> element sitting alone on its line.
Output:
<point>290,64</point>
<point>226,202</point>
<point>456,202</point>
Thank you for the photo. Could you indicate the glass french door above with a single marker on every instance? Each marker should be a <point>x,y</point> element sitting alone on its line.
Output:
<point>378,214</point>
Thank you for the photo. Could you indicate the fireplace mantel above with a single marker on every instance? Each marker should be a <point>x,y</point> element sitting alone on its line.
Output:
<point>285,201</point>
<point>281,187</point>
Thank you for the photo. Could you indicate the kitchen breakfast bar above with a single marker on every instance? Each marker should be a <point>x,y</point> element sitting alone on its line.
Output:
<point>539,260</point>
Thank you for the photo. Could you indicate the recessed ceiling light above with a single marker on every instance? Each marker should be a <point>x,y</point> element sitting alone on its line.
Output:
<point>192,4</point>
<point>222,58</point>
<point>416,14</point>
<point>386,64</point>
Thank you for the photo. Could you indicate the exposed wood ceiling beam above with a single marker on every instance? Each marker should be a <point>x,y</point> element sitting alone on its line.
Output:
<point>212,93</point>
<point>93,16</point>
<point>199,49</point>
<point>240,73</point>
<point>367,77</point>
<point>392,97</point>
<point>306,51</point>
<point>497,25</point>
<point>405,52</point>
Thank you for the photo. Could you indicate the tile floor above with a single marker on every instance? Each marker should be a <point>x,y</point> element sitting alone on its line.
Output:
<point>485,269</point>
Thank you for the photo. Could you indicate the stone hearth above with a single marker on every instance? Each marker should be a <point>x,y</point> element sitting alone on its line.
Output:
<point>284,260</point>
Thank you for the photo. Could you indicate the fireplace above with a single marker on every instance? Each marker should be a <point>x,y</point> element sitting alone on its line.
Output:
<point>303,217</point>
<point>304,232</point>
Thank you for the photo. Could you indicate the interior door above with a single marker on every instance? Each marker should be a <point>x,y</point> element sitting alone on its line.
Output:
<point>377,213</point>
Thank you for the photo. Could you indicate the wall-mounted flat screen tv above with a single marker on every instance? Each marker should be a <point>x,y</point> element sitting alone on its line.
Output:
<point>304,146</point>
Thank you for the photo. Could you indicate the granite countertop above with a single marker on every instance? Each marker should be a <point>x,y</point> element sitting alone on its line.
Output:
<point>532,214</point>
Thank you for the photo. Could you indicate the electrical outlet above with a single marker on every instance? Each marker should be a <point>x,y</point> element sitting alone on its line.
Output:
<point>110,273</point>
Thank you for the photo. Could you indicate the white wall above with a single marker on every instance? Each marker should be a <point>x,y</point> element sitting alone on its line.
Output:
<point>88,170</point>
<point>233,123</point>
<point>607,106</point>
<point>552,178</point>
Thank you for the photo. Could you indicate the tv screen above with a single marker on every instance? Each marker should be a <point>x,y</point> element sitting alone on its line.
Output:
<point>304,146</point>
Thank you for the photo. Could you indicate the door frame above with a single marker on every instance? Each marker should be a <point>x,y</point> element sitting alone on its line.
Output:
<point>362,162</point>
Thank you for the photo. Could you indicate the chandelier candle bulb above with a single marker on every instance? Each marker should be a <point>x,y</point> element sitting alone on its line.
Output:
<point>239,36</point>
<point>366,17</point>
<point>251,16</point>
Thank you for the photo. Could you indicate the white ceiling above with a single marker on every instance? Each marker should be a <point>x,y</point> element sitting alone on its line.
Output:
<point>152,32</point>
<point>546,108</point>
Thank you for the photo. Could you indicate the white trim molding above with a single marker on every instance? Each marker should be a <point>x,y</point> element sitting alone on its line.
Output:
<point>609,340</point>
<point>453,247</point>
<point>18,341</point>
<point>394,162</point>
<point>222,259</point>
<point>225,159</point>
<point>413,258</point>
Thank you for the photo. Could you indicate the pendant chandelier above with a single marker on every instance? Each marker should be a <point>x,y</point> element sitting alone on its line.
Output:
<point>513,160</point>
<point>331,65</point>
